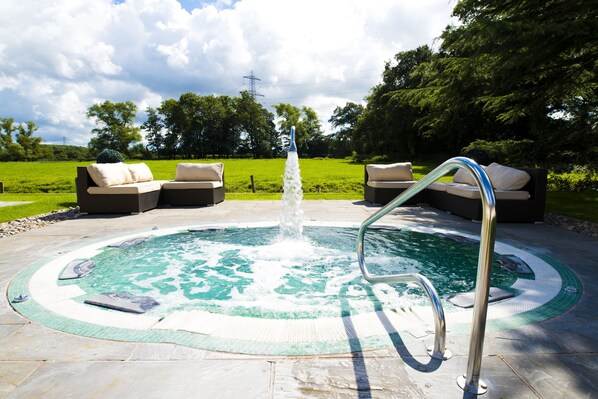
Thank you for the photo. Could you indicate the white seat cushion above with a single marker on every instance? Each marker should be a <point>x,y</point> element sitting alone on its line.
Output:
<point>391,172</point>
<point>134,188</point>
<point>472,192</point>
<point>506,178</point>
<point>391,184</point>
<point>187,185</point>
<point>199,172</point>
<point>109,174</point>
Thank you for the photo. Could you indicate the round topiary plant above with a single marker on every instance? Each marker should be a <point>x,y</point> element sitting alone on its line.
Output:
<point>109,156</point>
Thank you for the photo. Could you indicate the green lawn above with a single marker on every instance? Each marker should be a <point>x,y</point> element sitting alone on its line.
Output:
<point>39,203</point>
<point>329,175</point>
<point>582,206</point>
<point>51,185</point>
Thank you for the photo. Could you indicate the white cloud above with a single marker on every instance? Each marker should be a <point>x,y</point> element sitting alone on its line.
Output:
<point>58,57</point>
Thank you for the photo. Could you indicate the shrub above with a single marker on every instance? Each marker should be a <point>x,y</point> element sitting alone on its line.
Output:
<point>109,156</point>
<point>508,152</point>
<point>377,159</point>
<point>572,182</point>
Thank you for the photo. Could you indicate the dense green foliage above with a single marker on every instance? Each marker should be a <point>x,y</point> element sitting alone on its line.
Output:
<point>53,152</point>
<point>114,126</point>
<point>579,181</point>
<point>508,152</point>
<point>27,146</point>
<point>509,71</point>
<point>197,126</point>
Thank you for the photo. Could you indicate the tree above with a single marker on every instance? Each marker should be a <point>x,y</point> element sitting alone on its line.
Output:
<point>256,125</point>
<point>154,127</point>
<point>114,126</point>
<point>345,120</point>
<point>9,150</point>
<point>173,124</point>
<point>229,139</point>
<point>29,143</point>
<point>387,126</point>
<point>514,70</point>
<point>535,54</point>
<point>27,146</point>
<point>308,129</point>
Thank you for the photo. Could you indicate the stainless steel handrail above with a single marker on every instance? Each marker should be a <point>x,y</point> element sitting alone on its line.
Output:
<point>470,382</point>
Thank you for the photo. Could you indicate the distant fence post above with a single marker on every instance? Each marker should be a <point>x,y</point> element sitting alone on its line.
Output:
<point>252,184</point>
<point>1,187</point>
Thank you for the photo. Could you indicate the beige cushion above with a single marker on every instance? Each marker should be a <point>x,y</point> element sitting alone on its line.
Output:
<point>506,178</point>
<point>391,184</point>
<point>135,188</point>
<point>187,185</point>
<point>464,177</point>
<point>109,174</point>
<point>140,172</point>
<point>472,192</point>
<point>199,172</point>
<point>392,172</point>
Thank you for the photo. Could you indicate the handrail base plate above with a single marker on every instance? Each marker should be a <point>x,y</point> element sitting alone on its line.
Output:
<point>440,356</point>
<point>480,389</point>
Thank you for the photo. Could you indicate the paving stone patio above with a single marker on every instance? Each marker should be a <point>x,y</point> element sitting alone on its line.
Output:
<point>552,359</point>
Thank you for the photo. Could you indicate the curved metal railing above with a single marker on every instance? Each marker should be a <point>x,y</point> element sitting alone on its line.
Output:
<point>469,382</point>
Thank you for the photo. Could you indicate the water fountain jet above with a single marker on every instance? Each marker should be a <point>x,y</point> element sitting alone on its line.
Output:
<point>291,217</point>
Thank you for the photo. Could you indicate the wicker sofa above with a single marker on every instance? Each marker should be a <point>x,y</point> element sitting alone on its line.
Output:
<point>520,194</point>
<point>382,183</point>
<point>122,188</point>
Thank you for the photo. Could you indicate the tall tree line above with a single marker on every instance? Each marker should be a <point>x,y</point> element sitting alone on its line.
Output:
<point>196,126</point>
<point>511,70</point>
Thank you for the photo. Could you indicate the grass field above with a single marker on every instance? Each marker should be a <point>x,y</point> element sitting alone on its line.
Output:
<point>329,175</point>
<point>51,185</point>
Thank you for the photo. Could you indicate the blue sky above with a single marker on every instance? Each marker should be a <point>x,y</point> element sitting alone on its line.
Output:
<point>59,57</point>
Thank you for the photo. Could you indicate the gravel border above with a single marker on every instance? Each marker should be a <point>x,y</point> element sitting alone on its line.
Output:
<point>572,224</point>
<point>34,222</point>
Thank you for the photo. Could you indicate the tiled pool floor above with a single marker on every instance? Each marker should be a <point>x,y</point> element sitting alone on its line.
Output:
<point>553,358</point>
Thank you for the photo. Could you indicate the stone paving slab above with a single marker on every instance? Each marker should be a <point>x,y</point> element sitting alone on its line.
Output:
<point>147,380</point>
<point>346,378</point>
<point>12,374</point>
<point>164,352</point>
<point>35,342</point>
<point>551,376</point>
<point>502,381</point>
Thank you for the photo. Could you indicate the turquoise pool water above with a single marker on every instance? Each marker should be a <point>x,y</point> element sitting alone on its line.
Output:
<point>251,272</point>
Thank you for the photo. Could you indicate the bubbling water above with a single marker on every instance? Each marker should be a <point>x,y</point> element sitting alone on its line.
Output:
<point>251,272</point>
